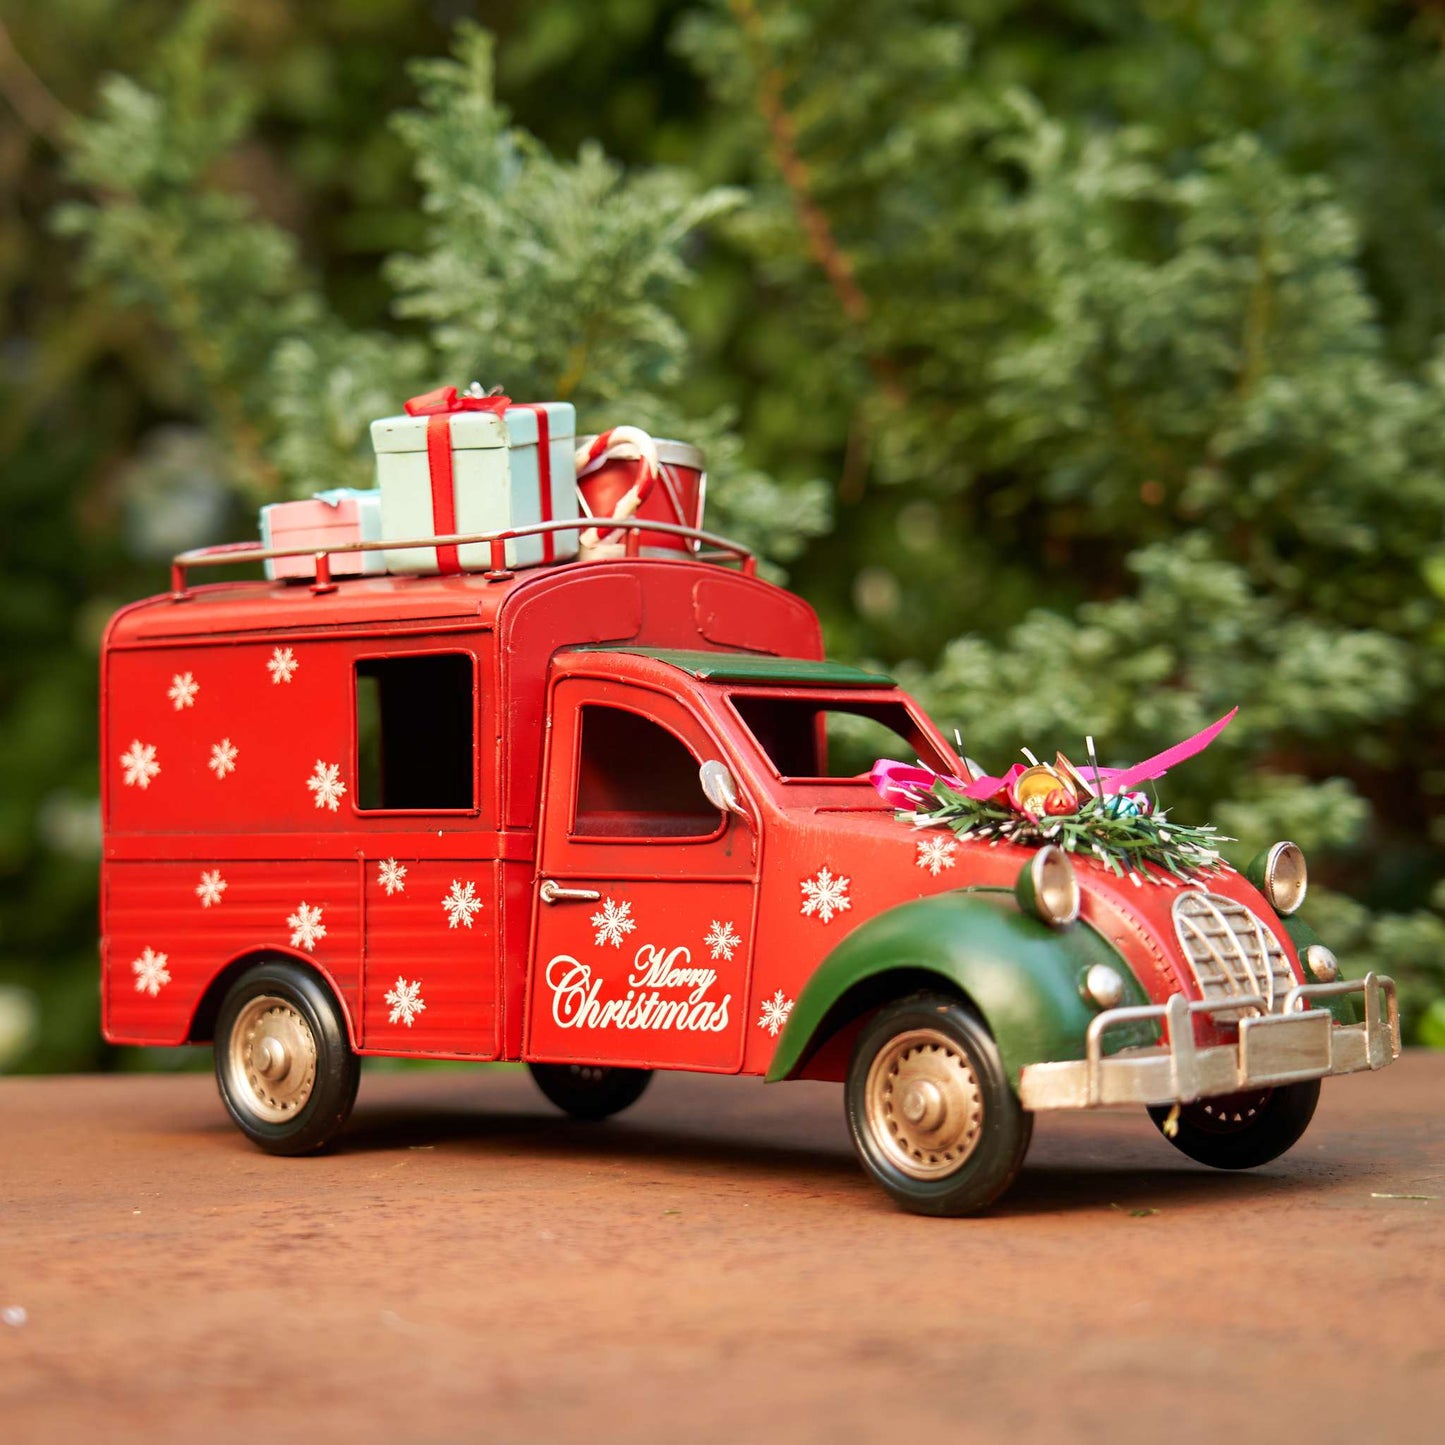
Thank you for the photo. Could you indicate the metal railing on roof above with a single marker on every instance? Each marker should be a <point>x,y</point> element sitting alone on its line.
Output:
<point>706,546</point>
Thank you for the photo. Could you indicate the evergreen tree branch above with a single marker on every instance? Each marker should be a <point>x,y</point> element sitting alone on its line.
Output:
<point>1258,319</point>
<point>243,443</point>
<point>830,257</point>
<point>828,254</point>
<point>36,105</point>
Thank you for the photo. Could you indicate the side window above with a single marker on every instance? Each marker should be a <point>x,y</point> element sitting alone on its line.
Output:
<point>635,779</point>
<point>832,738</point>
<point>415,732</point>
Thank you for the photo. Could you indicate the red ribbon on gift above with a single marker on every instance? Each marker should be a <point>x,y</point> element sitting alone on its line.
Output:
<point>544,473</point>
<point>447,399</point>
<point>438,407</point>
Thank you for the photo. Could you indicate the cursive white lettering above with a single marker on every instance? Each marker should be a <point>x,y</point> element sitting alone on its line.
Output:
<point>654,967</point>
<point>576,1002</point>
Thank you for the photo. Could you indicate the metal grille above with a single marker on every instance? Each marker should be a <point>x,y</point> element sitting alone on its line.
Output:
<point>1230,951</point>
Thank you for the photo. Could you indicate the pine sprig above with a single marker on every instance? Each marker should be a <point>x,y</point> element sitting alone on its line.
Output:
<point>1144,847</point>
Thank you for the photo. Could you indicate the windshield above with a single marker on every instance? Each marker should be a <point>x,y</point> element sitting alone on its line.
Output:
<point>834,738</point>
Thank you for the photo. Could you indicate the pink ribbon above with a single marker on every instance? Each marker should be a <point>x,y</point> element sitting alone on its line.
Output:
<point>1123,779</point>
<point>902,785</point>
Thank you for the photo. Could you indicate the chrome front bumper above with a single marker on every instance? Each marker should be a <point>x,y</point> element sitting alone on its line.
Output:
<point>1299,1042</point>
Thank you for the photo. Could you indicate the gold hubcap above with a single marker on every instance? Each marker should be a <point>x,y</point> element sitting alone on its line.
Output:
<point>272,1058</point>
<point>923,1103</point>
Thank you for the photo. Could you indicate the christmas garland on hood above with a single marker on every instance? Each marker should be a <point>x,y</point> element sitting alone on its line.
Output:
<point>1090,810</point>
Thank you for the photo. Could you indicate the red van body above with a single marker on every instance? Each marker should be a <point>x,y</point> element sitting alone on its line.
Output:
<point>238,709</point>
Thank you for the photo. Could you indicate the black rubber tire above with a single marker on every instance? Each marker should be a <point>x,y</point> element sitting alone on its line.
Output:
<point>590,1091</point>
<point>1242,1131</point>
<point>338,1071</point>
<point>1004,1134</point>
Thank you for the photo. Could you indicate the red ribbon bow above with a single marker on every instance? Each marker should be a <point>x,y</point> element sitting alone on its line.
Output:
<point>447,399</point>
<point>438,406</point>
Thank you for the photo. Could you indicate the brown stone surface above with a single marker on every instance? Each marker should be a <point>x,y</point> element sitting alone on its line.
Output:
<point>711,1266</point>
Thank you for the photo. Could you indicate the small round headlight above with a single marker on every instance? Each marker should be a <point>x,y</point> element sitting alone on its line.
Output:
<point>1322,963</point>
<point>1104,986</point>
<point>1047,886</point>
<point>1286,879</point>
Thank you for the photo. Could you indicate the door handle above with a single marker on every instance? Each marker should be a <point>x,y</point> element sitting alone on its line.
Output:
<point>551,892</point>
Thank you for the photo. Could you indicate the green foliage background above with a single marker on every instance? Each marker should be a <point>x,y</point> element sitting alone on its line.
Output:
<point>1081,360</point>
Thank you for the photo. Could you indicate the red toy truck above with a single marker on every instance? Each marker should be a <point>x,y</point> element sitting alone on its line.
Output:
<point>614,816</point>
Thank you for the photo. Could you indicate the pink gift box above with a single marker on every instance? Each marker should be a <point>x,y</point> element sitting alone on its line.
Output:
<point>328,519</point>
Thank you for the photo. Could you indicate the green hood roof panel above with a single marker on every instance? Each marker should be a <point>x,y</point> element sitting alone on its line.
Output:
<point>754,667</point>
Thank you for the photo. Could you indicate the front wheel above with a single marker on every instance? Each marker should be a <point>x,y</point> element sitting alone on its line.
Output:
<point>933,1118</point>
<point>285,1070</point>
<point>590,1091</point>
<point>1241,1131</point>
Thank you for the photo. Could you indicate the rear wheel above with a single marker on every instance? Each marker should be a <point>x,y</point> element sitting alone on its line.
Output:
<point>590,1091</point>
<point>933,1117</point>
<point>283,1064</point>
<point>1241,1131</point>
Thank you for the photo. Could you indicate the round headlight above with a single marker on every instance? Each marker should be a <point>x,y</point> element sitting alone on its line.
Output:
<point>1286,879</point>
<point>1322,963</point>
<point>1047,886</point>
<point>1104,985</point>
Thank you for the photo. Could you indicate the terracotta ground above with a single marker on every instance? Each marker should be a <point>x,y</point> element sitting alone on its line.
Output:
<point>711,1266</point>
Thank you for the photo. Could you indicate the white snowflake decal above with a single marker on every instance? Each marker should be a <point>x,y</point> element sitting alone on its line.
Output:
<point>325,782</point>
<point>825,895</point>
<point>460,903</point>
<point>184,688</point>
<point>406,1001</point>
<point>613,923</point>
<point>775,1013</point>
<point>139,762</point>
<point>151,973</point>
<point>936,854</point>
<point>391,875</point>
<point>307,929</point>
<point>223,758</point>
<point>210,888</point>
<point>722,940</point>
<point>282,665</point>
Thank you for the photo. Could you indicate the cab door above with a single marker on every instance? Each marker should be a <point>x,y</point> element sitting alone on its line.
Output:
<point>643,921</point>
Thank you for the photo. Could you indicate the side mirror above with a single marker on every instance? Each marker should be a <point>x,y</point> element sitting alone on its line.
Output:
<point>720,789</point>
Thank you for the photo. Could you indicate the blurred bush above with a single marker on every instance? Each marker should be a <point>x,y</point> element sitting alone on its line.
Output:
<point>1116,327</point>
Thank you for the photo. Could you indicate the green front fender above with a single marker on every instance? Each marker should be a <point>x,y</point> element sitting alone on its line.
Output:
<point>1346,1010</point>
<point>1021,975</point>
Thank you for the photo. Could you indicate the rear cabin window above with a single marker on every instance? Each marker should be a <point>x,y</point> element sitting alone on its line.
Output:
<point>831,738</point>
<point>415,733</point>
<point>637,780</point>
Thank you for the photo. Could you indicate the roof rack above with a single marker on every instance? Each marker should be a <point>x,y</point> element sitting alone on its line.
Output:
<point>706,546</point>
